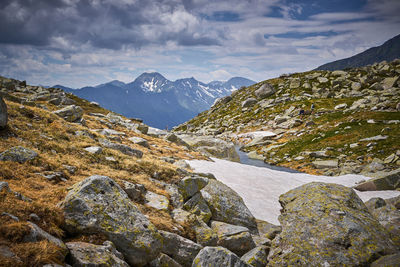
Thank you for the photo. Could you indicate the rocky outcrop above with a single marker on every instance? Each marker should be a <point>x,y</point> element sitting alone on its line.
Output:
<point>386,261</point>
<point>211,146</point>
<point>257,257</point>
<point>18,154</point>
<point>381,181</point>
<point>235,238</point>
<point>86,254</point>
<point>227,206</point>
<point>327,224</point>
<point>99,205</point>
<point>127,150</point>
<point>264,91</point>
<point>70,113</point>
<point>3,113</point>
<point>191,185</point>
<point>179,248</point>
<point>217,256</point>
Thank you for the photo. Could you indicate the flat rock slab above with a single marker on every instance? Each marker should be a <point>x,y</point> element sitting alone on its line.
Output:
<point>18,154</point>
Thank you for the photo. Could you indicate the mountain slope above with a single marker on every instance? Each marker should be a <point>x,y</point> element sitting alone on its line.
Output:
<point>354,126</point>
<point>159,102</point>
<point>388,51</point>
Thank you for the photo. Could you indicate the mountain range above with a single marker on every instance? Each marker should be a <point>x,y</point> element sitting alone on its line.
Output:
<point>158,101</point>
<point>388,51</point>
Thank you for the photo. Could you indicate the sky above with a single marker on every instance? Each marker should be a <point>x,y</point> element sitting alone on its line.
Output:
<point>79,43</point>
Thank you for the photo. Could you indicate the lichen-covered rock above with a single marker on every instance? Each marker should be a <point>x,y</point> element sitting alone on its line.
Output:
<point>249,102</point>
<point>268,230</point>
<point>156,201</point>
<point>99,205</point>
<point>139,141</point>
<point>175,139</point>
<point>3,113</point>
<point>198,206</point>
<point>189,186</point>
<point>227,206</point>
<point>327,224</point>
<point>387,261</point>
<point>381,181</point>
<point>388,215</point>
<point>18,154</point>
<point>86,254</point>
<point>127,150</point>
<point>264,91</point>
<point>179,248</point>
<point>257,257</point>
<point>136,192</point>
<point>164,261</point>
<point>235,238</point>
<point>217,257</point>
<point>70,113</point>
<point>205,236</point>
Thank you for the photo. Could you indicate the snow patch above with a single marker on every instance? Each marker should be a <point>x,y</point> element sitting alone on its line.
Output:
<point>260,188</point>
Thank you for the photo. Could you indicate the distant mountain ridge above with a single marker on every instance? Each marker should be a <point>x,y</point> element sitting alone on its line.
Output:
<point>158,101</point>
<point>388,51</point>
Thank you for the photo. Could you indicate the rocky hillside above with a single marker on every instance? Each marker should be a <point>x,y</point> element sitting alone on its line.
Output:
<point>354,126</point>
<point>388,51</point>
<point>81,186</point>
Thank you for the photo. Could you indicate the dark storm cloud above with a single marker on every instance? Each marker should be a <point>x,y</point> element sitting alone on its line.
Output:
<point>100,23</point>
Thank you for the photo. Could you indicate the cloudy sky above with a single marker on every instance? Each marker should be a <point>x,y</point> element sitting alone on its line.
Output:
<point>88,42</point>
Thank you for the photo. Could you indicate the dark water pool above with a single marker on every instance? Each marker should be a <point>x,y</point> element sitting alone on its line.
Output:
<point>244,159</point>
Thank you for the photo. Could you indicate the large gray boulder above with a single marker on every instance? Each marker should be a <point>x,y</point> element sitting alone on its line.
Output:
<point>211,146</point>
<point>99,205</point>
<point>179,248</point>
<point>70,113</point>
<point>198,206</point>
<point>217,257</point>
<point>227,206</point>
<point>86,254</point>
<point>235,238</point>
<point>249,102</point>
<point>327,225</point>
<point>265,91</point>
<point>18,154</point>
<point>3,113</point>
<point>189,186</point>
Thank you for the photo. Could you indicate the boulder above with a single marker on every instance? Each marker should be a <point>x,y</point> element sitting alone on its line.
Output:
<point>127,150</point>
<point>18,154</point>
<point>99,205</point>
<point>189,186</point>
<point>222,101</point>
<point>179,248</point>
<point>139,141</point>
<point>198,206</point>
<point>205,236</point>
<point>341,106</point>
<point>175,139</point>
<point>156,201</point>
<point>257,257</point>
<point>94,149</point>
<point>70,113</point>
<point>212,146</point>
<point>381,181</point>
<point>136,192</point>
<point>249,102</point>
<point>264,91</point>
<point>268,230</point>
<point>3,113</point>
<point>164,261</point>
<point>218,257</point>
<point>326,164</point>
<point>86,254</point>
<point>327,225</point>
<point>387,261</point>
<point>388,215</point>
<point>227,206</point>
<point>235,238</point>
<point>36,234</point>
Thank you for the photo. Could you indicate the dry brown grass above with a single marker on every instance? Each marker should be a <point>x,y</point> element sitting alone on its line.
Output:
<point>55,141</point>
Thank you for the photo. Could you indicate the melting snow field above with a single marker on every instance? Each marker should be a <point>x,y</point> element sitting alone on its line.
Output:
<point>260,188</point>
